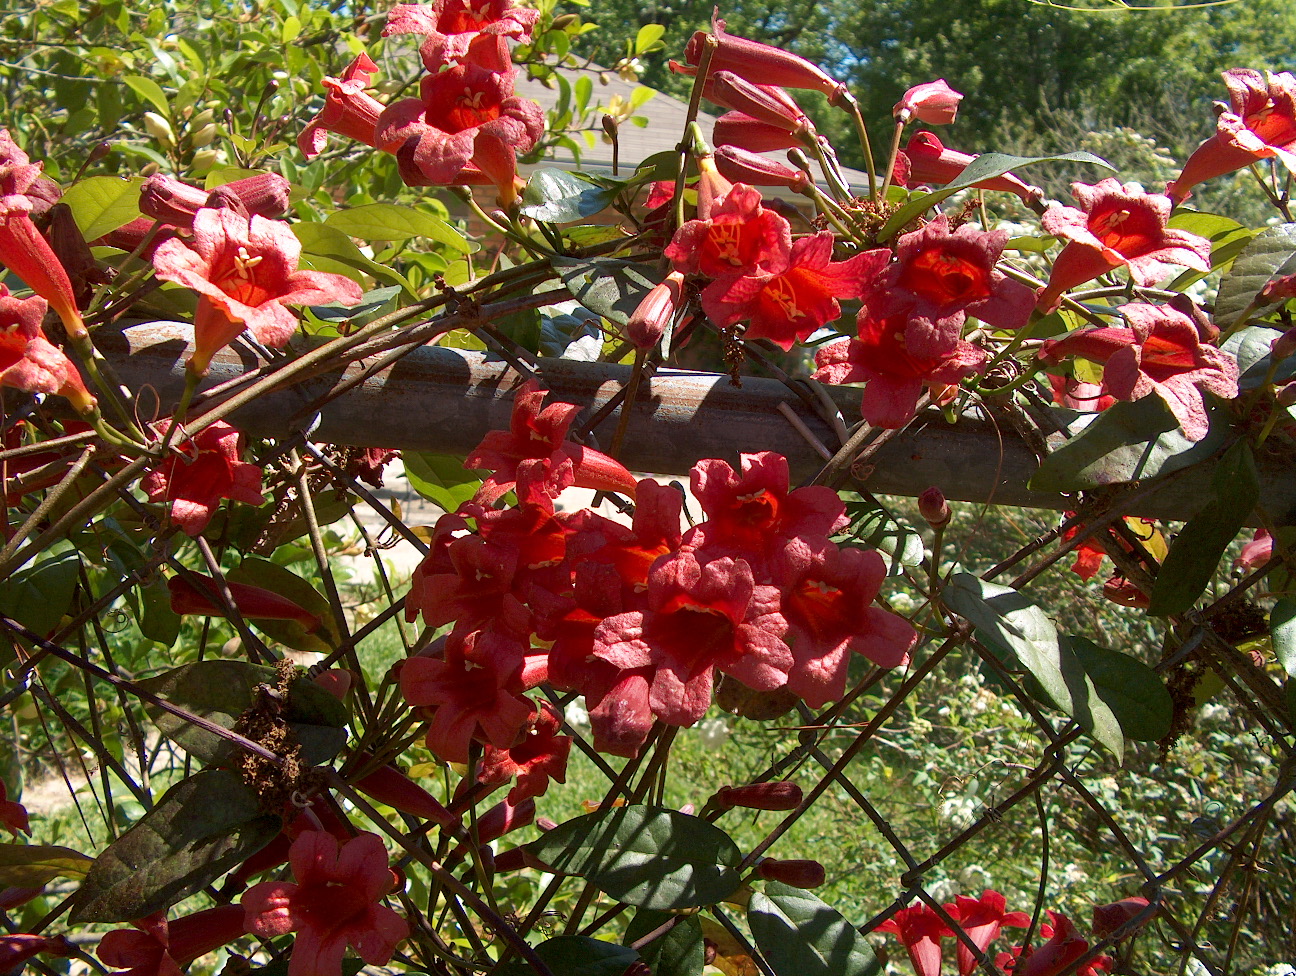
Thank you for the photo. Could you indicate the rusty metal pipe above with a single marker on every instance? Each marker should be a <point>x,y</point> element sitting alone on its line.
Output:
<point>444,400</point>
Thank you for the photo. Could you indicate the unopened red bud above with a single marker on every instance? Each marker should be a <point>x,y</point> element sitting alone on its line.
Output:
<point>933,102</point>
<point>762,64</point>
<point>1284,345</point>
<point>14,896</point>
<point>797,873</point>
<point>741,130</point>
<point>1108,919</point>
<point>390,786</point>
<point>709,952</point>
<point>648,322</point>
<point>610,126</point>
<point>1286,395</point>
<point>742,166</point>
<point>1121,591</point>
<point>503,818</point>
<point>933,507</point>
<point>766,103</point>
<point>545,824</point>
<point>250,601</point>
<point>779,795</point>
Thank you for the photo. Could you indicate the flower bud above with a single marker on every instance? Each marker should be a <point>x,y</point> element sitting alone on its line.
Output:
<point>712,187</point>
<point>390,786</point>
<point>1286,395</point>
<point>766,103</point>
<point>649,321</point>
<point>504,818</point>
<point>741,130</point>
<point>933,102</point>
<point>742,166</point>
<point>762,63</point>
<point>1108,919</point>
<point>1279,289</point>
<point>778,795</point>
<point>160,129</point>
<point>797,873</point>
<point>250,601</point>
<point>934,508</point>
<point>1283,346</point>
<point>204,136</point>
<point>1121,591</point>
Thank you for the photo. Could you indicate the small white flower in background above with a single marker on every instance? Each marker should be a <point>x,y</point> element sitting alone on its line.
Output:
<point>1281,969</point>
<point>959,811</point>
<point>902,602</point>
<point>975,878</point>
<point>1074,874</point>
<point>1212,713</point>
<point>576,716</point>
<point>713,733</point>
<point>944,889</point>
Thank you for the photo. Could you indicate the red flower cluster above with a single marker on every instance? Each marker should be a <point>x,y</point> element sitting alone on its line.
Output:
<point>637,618</point>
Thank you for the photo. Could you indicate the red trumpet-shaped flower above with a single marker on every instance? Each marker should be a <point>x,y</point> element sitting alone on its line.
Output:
<point>199,472</point>
<point>1118,226</point>
<point>22,180</point>
<point>28,255</point>
<point>335,902</point>
<point>348,110</point>
<point>472,31</point>
<point>942,276</point>
<point>982,919</point>
<point>466,124</point>
<point>155,947</point>
<point>540,756</point>
<point>1064,946</point>
<point>933,102</point>
<point>1163,352</point>
<point>29,361</point>
<point>13,816</point>
<point>797,297</point>
<point>244,270</point>
<point>740,237</point>
<point>1261,124</point>
<point>250,601</point>
<point>893,378</point>
<point>702,615</point>
<point>929,161</point>
<point>920,931</point>
<point>537,434</point>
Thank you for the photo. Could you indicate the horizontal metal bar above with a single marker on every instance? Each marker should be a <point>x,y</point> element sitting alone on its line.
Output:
<point>445,400</point>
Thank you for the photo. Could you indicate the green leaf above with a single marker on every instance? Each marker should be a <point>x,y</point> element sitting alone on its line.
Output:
<point>680,952</point>
<point>801,935</point>
<point>579,955</point>
<point>873,527</point>
<point>150,91</point>
<point>1271,253</point>
<point>101,204</point>
<point>220,691</point>
<point>645,856</point>
<point>1013,622</point>
<point>157,621</point>
<point>1282,627</point>
<point>201,828</point>
<point>1134,692</point>
<point>326,248</point>
<point>392,222</point>
<point>271,576</point>
<point>1250,347</point>
<point>559,197</point>
<point>648,38</point>
<point>606,286</point>
<point>984,167</point>
<point>33,865</point>
<point>40,593</point>
<point>1195,553</point>
<point>1125,442</point>
<point>440,478</point>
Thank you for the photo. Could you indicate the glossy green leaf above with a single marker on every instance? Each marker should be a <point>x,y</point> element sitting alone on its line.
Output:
<point>1250,347</point>
<point>606,286</point>
<point>101,204</point>
<point>157,621</point>
<point>559,197</point>
<point>1271,253</point>
<point>39,594</point>
<point>800,935</point>
<point>873,527</point>
<point>1125,442</point>
<point>1282,627</point>
<point>1196,551</point>
<point>1013,622</point>
<point>680,952</point>
<point>648,37</point>
<point>201,828</point>
<point>579,955</point>
<point>326,248</point>
<point>984,167</point>
<point>256,571</point>
<point>645,856</point>
<point>441,478</point>
<point>150,91</point>
<point>1134,692</point>
<point>392,222</point>
<point>33,865</point>
<point>220,691</point>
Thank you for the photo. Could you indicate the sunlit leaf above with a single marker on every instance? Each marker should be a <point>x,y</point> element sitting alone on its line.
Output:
<point>800,935</point>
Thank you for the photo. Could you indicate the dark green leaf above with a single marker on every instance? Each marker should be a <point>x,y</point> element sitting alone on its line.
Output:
<point>1125,442</point>
<point>39,594</point>
<point>559,197</point>
<point>523,327</point>
<point>1250,347</point>
<point>372,302</point>
<point>1133,691</point>
<point>101,204</point>
<point>1196,550</point>
<point>1290,688</point>
<point>873,527</point>
<point>220,691</point>
<point>578,955</point>
<point>1013,622</point>
<point>392,222</point>
<point>606,286</point>
<point>255,571</point>
<point>201,828</point>
<point>157,621</point>
<point>441,478</point>
<point>680,952</point>
<point>984,167</point>
<point>645,856</point>
<point>800,935</point>
<point>576,337</point>
<point>1282,627</point>
<point>1271,253</point>
<point>33,865</point>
